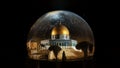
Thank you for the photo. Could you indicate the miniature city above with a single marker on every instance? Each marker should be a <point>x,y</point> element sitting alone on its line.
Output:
<point>59,47</point>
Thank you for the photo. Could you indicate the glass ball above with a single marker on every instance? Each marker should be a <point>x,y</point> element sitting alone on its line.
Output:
<point>60,35</point>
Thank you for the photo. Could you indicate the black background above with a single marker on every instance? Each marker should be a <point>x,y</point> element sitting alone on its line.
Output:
<point>18,16</point>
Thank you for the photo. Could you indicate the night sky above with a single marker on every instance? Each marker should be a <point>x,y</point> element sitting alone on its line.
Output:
<point>18,17</point>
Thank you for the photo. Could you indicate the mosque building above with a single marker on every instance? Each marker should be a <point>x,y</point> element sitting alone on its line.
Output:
<point>60,36</point>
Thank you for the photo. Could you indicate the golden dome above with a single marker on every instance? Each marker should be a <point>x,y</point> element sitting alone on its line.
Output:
<point>60,29</point>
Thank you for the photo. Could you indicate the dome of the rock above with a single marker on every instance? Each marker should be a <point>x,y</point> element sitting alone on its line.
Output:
<point>60,29</point>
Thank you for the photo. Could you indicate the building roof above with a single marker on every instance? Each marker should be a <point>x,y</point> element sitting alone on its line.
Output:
<point>60,29</point>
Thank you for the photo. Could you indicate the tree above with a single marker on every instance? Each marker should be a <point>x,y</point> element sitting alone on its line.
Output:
<point>63,56</point>
<point>84,46</point>
<point>55,49</point>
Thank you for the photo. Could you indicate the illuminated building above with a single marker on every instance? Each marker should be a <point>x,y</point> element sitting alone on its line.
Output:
<point>32,46</point>
<point>60,36</point>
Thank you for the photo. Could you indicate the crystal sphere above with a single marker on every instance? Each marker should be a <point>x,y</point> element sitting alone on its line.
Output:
<point>60,35</point>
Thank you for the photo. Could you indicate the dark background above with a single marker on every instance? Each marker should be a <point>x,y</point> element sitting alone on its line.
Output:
<point>18,16</point>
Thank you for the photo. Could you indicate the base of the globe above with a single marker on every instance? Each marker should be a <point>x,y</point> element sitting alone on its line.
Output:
<point>64,59</point>
<point>88,62</point>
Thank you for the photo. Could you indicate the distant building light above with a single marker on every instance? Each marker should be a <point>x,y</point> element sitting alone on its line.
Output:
<point>80,50</point>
